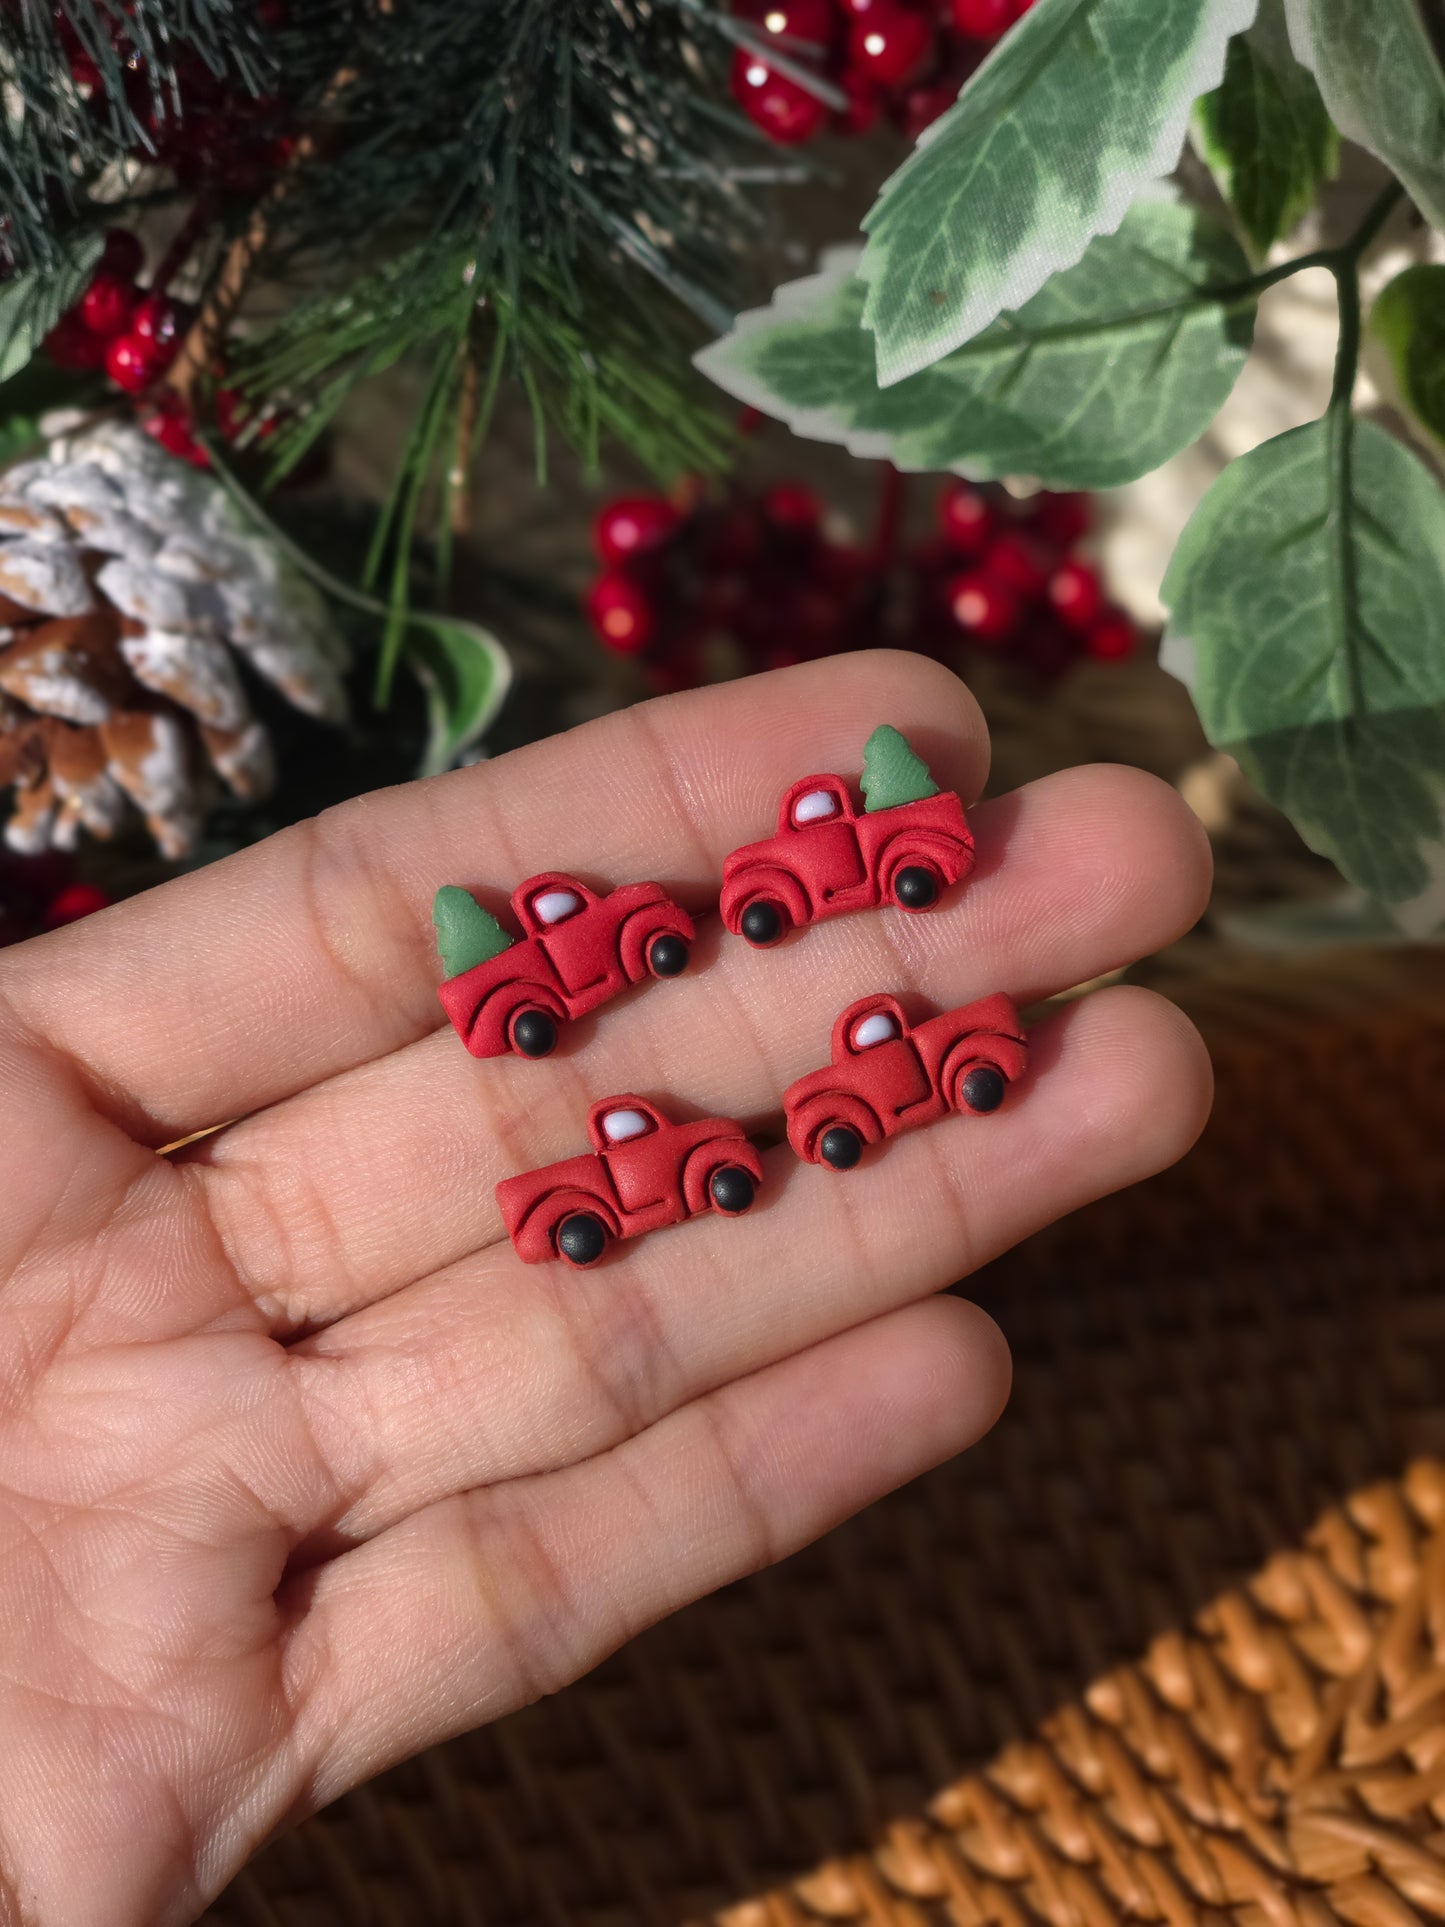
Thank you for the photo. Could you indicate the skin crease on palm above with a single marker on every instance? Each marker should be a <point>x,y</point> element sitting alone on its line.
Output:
<point>300,1469</point>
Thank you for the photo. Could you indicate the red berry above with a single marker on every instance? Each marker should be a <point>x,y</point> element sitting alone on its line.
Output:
<point>792,509</point>
<point>919,107</point>
<point>122,254</point>
<point>982,19</point>
<point>839,567</point>
<point>890,47</point>
<point>729,537</point>
<point>621,612</point>
<point>632,524</point>
<point>1075,594</point>
<point>133,363</point>
<point>159,319</point>
<point>786,112</point>
<point>984,607</point>
<point>71,345</point>
<point>107,305</point>
<point>76,900</point>
<point>1112,637</point>
<point>804,22</point>
<point>1018,563</point>
<point>808,620</point>
<point>85,73</point>
<point>171,427</point>
<point>1061,519</point>
<point>966,518</point>
<point>864,106</point>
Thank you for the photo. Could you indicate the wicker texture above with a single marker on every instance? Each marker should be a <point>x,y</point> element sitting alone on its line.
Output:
<point>1170,1646</point>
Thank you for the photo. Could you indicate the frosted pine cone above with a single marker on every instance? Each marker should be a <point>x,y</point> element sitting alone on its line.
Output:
<point>130,585</point>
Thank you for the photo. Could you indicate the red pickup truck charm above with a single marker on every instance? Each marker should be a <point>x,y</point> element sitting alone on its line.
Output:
<point>828,857</point>
<point>643,1172</point>
<point>888,1076</point>
<point>578,950</point>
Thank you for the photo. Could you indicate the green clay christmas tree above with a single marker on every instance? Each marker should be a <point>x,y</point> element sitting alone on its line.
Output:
<point>467,935</point>
<point>893,772</point>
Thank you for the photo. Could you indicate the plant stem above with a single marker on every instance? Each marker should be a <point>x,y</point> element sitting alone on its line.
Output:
<point>1347,255</point>
<point>1344,264</point>
<point>1381,208</point>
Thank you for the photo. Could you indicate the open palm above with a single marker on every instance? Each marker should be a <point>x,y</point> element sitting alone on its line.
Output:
<point>300,1469</point>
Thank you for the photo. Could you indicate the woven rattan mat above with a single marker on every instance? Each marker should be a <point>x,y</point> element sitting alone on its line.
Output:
<point>1170,1646</point>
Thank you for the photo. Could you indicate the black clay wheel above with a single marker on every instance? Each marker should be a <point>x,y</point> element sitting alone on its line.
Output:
<point>667,956</point>
<point>983,1089</point>
<point>840,1148</point>
<point>581,1239</point>
<point>732,1190</point>
<point>533,1033</point>
<point>915,887</point>
<point>762,923</point>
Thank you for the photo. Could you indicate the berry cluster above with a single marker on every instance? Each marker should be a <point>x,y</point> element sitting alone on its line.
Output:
<point>761,571</point>
<point>908,58</point>
<point>218,141</point>
<point>765,574</point>
<point>215,137</point>
<point>1008,578</point>
<point>133,333</point>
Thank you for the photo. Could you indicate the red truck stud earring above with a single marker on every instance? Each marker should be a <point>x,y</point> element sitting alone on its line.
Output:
<point>907,846</point>
<point>642,1173</point>
<point>577,951</point>
<point>888,1076</point>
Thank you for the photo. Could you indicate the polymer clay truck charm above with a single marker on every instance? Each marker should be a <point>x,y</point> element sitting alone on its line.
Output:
<point>889,1076</point>
<point>907,846</point>
<point>578,950</point>
<point>643,1172</point>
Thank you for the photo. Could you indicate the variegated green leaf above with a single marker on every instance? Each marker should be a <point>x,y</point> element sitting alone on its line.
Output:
<point>1382,80</point>
<point>1309,589</point>
<point>1080,106</point>
<point>1113,367</point>
<point>1409,319</point>
<point>466,674</point>
<point>1265,133</point>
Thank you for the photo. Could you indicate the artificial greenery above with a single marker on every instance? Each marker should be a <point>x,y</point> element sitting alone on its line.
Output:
<point>1265,133</point>
<point>1026,303</point>
<point>544,192</point>
<point>59,142</point>
<point>1166,305</point>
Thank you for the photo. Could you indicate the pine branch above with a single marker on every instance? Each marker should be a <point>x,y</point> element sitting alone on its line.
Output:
<point>60,134</point>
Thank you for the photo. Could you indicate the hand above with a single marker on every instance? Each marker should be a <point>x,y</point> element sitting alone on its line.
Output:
<point>300,1469</point>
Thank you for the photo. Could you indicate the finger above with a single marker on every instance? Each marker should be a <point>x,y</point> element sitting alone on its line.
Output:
<point>489,1600</point>
<point>377,1177</point>
<point>494,1370</point>
<point>256,977</point>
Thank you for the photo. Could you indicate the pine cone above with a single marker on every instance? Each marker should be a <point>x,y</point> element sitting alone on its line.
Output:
<point>130,585</point>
